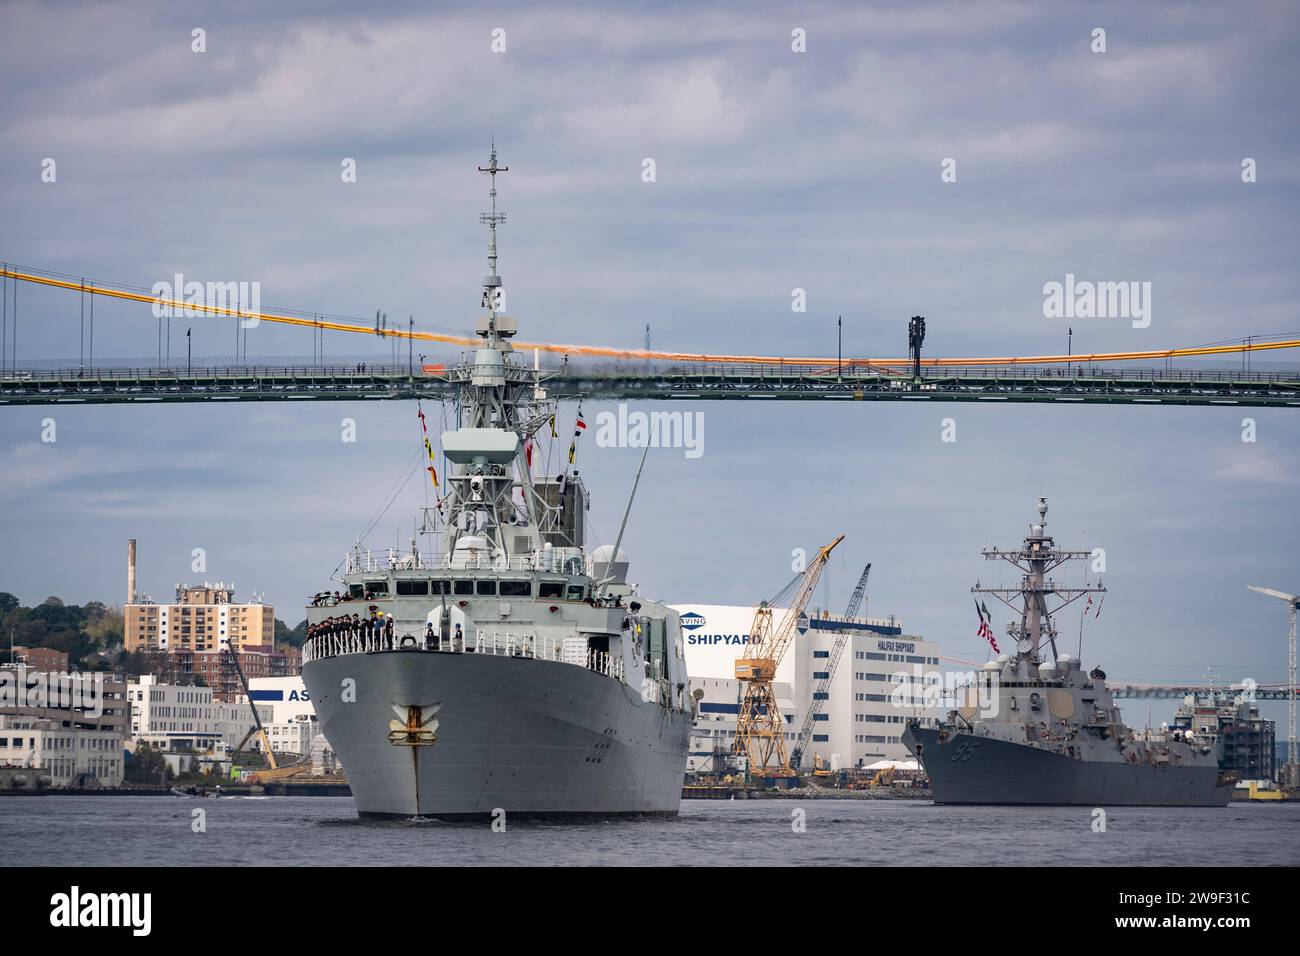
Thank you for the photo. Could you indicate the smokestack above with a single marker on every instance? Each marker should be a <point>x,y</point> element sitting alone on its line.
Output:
<point>130,571</point>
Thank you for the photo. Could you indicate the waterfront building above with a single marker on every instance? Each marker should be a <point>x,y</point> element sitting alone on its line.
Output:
<point>286,696</point>
<point>878,684</point>
<point>64,730</point>
<point>41,658</point>
<point>1247,741</point>
<point>178,717</point>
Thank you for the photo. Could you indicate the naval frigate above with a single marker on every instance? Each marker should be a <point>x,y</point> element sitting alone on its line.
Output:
<point>510,670</point>
<point>1044,732</point>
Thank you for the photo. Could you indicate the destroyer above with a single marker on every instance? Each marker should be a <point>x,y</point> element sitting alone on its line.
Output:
<point>1044,732</point>
<point>517,673</point>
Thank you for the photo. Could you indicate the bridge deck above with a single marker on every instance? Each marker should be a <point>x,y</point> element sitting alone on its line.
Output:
<point>1127,386</point>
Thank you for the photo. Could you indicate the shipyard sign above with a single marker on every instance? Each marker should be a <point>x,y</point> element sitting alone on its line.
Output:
<point>693,620</point>
<point>717,639</point>
<point>896,647</point>
<point>714,635</point>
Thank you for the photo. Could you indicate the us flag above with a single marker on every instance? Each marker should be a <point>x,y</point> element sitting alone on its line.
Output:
<point>985,630</point>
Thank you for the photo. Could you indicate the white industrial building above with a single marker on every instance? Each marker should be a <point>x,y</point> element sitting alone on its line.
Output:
<point>61,729</point>
<point>286,696</point>
<point>175,717</point>
<point>292,725</point>
<point>57,755</point>
<point>876,688</point>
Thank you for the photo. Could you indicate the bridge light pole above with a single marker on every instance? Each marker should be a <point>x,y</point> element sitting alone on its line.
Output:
<point>916,336</point>
<point>839,348</point>
<point>189,366</point>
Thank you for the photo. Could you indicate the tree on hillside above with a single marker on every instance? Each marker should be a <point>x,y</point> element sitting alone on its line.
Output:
<point>104,625</point>
<point>134,663</point>
<point>293,638</point>
<point>76,630</point>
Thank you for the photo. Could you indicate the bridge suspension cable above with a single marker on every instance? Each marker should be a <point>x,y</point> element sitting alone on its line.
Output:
<point>117,291</point>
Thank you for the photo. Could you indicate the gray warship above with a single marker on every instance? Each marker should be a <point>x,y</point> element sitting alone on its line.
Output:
<point>1034,731</point>
<point>509,670</point>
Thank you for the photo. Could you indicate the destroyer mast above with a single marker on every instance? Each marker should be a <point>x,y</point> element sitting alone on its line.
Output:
<point>1037,558</point>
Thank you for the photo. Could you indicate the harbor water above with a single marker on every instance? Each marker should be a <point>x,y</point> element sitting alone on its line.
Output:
<point>107,831</point>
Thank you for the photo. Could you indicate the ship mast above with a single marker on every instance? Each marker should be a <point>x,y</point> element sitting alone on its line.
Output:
<point>1037,558</point>
<point>492,282</point>
<point>501,407</point>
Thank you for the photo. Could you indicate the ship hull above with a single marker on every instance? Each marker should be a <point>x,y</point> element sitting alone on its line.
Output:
<point>532,738</point>
<point>967,769</point>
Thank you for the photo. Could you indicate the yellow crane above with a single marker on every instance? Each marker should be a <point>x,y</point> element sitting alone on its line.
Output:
<point>257,718</point>
<point>760,729</point>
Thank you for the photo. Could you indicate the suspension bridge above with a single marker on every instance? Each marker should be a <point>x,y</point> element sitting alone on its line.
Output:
<point>606,373</point>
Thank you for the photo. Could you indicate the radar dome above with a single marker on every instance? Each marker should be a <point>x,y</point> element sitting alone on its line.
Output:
<point>605,565</point>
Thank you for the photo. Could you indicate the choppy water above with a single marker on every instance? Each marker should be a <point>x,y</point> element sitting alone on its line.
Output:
<point>144,831</point>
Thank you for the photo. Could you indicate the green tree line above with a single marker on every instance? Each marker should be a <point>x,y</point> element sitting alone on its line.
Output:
<point>95,628</point>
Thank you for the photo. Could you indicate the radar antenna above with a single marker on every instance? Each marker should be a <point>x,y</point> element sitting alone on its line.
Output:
<point>492,282</point>
<point>1036,559</point>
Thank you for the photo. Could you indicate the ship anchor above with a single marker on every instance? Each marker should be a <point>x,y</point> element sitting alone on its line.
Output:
<point>414,729</point>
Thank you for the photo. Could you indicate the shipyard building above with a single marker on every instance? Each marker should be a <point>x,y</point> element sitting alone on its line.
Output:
<point>1247,740</point>
<point>879,684</point>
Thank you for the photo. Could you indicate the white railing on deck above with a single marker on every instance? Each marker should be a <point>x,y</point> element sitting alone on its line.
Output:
<point>497,644</point>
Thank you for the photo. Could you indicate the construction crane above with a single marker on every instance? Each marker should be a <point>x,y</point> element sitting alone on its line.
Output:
<point>1291,776</point>
<point>760,729</point>
<point>822,685</point>
<point>257,719</point>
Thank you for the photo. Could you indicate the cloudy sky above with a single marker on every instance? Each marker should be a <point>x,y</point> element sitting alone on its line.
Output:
<point>775,170</point>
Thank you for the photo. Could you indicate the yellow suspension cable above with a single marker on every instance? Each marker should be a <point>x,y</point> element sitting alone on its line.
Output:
<point>653,355</point>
